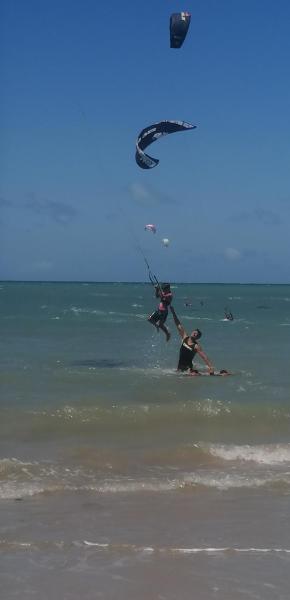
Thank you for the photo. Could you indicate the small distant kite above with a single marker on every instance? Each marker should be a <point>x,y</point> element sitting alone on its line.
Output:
<point>165,242</point>
<point>179,24</point>
<point>150,227</point>
<point>152,133</point>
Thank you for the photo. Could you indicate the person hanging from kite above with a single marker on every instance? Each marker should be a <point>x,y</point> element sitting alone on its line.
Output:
<point>159,316</point>
<point>164,293</point>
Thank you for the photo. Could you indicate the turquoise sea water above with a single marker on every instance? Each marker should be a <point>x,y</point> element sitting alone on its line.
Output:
<point>113,467</point>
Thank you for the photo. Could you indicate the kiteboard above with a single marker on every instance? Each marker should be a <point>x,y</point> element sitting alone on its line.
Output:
<point>221,373</point>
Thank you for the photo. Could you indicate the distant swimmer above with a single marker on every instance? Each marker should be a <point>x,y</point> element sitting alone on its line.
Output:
<point>158,318</point>
<point>189,348</point>
<point>228,315</point>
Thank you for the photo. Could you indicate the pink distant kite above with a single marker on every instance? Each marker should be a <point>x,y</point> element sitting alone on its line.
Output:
<point>150,227</point>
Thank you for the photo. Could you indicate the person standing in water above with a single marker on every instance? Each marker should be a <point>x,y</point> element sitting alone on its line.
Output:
<point>189,348</point>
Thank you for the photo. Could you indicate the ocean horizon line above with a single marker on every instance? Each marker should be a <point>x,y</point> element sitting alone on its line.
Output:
<point>139,282</point>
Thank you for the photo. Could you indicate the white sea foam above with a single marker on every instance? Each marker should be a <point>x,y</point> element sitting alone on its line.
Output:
<point>272,454</point>
<point>55,485</point>
<point>89,311</point>
<point>228,481</point>
<point>147,372</point>
<point>195,317</point>
<point>127,548</point>
<point>12,490</point>
<point>12,466</point>
<point>100,294</point>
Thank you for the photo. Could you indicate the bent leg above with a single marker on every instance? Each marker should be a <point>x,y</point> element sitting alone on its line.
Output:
<point>154,319</point>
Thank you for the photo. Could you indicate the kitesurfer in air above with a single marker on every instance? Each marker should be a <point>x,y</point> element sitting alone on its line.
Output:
<point>189,348</point>
<point>159,316</point>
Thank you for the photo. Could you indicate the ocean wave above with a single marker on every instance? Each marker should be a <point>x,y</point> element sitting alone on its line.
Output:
<point>100,294</point>
<point>196,318</point>
<point>21,480</point>
<point>111,315</point>
<point>230,481</point>
<point>263,454</point>
<point>145,414</point>
<point>102,363</point>
<point>12,467</point>
<point>75,310</point>
<point>201,413</point>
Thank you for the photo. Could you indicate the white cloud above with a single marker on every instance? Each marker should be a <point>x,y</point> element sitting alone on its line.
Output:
<point>148,195</point>
<point>260,216</point>
<point>140,192</point>
<point>60,212</point>
<point>232,254</point>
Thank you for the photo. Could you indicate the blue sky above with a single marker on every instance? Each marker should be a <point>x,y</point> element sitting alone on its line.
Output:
<point>79,81</point>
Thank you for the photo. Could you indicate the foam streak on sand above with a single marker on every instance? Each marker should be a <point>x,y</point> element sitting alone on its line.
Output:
<point>6,545</point>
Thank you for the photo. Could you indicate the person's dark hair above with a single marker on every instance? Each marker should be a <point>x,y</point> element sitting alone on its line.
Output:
<point>165,286</point>
<point>199,334</point>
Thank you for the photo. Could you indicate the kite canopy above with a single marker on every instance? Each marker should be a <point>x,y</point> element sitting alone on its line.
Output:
<point>152,133</point>
<point>150,227</point>
<point>179,24</point>
<point>165,242</point>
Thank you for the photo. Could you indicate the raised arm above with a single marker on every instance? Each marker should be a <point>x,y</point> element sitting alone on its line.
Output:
<point>205,358</point>
<point>181,329</point>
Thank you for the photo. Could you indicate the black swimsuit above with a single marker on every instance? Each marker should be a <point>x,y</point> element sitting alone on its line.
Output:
<point>186,355</point>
